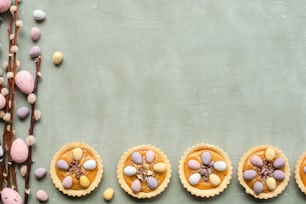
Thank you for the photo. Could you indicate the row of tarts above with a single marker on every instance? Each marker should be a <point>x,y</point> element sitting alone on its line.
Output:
<point>204,170</point>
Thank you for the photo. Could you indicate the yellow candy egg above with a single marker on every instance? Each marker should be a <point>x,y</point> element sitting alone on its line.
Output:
<point>77,153</point>
<point>84,181</point>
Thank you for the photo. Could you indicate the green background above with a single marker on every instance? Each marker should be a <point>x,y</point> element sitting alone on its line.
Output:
<point>231,73</point>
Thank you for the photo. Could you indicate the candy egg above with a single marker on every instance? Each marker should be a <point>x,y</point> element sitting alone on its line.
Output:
<point>269,153</point>
<point>25,82</point>
<point>1,151</point>
<point>150,156</point>
<point>193,164</point>
<point>152,182</point>
<point>194,179</point>
<point>2,101</point>
<point>39,15</point>
<point>42,195</point>
<point>129,171</point>
<point>62,164</point>
<point>67,182</point>
<point>249,175</point>
<point>5,5</point>
<point>279,175</point>
<point>304,169</point>
<point>256,161</point>
<point>40,172</point>
<point>34,51</point>
<point>160,167</point>
<point>206,157</point>
<point>258,187</point>
<point>22,112</point>
<point>279,163</point>
<point>90,164</point>
<point>136,186</point>
<point>19,151</point>
<point>214,180</point>
<point>271,183</point>
<point>220,166</point>
<point>35,33</point>
<point>57,58</point>
<point>108,194</point>
<point>84,181</point>
<point>10,196</point>
<point>77,154</point>
<point>137,158</point>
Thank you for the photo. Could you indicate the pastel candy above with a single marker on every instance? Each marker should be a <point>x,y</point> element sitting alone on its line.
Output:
<point>1,151</point>
<point>150,156</point>
<point>10,196</point>
<point>220,166</point>
<point>40,172</point>
<point>19,151</point>
<point>304,169</point>
<point>90,164</point>
<point>2,101</point>
<point>194,179</point>
<point>35,33</point>
<point>214,180</point>
<point>279,162</point>
<point>249,175</point>
<point>136,186</point>
<point>84,181</point>
<point>271,183</point>
<point>62,164</point>
<point>193,164</point>
<point>34,51</point>
<point>206,157</point>
<point>129,171</point>
<point>269,153</point>
<point>152,182</point>
<point>39,15</point>
<point>160,167</point>
<point>77,154</point>
<point>67,182</point>
<point>42,195</point>
<point>256,161</point>
<point>279,175</point>
<point>137,158</point>
<point>22,112</point>
<point>5,5</point>
<point>24,82</point>
<point>258,187</point>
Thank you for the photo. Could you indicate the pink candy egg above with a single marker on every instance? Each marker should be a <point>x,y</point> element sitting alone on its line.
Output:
<point>35,33</point>
<point>5,5</point>
<point>10,196</point>
<point>24,82</point>
<point>19,151</point>
<point>2,101</point>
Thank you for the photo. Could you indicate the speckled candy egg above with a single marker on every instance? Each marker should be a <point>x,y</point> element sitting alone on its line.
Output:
<point>42,195</point>
<point>2,101</point>
<point>90,164</point>
<point>35,33</point>
<point>10,196</point>
<point>5,5</point>
<point>24,82</point>
<point>19,151</point>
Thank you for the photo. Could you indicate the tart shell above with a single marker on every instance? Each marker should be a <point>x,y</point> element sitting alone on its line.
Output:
<point>298,178</point>
<point>205,193</point>
<point>279,189</point>
<point>58,183</point>
<point>143,195</point>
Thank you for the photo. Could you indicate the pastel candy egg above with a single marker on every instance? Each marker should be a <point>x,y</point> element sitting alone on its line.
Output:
<point>279,175</point>
<point>160,167</point>
<point>2,101</point>
<point>34,51</point>
<point>206,157</point>
<point>194,179</point>
<point>220,166</point>
<point>129,171</point>
<point>42,195</point>
<point>5,5</point>
<point>22,112</point>
<point>25,82</point>
<point>136,186</point>
<point>258,187</point>
<point>193,164</point>
<point>77,154</point>
<point>35,33</point>
<point>57,58</point>
<point>271,183</point>
<point>62,164</point>
<point>137,158</point>
<point>256,161</point>
<point>249,175</point>
<point>269,153</point>
<point>10,196</point>
<point>67,182</point>
<point>279,162</point>
<point>1,151</point>
<point>150,156</point>
<point>39,15</point>
<point>84,181</point>
<point>19,151</point>
<point>152,182</point>
<point>214,180</point>
<point>304,169</point>
<point>90,164</point>
<point>40,172</point>
<point>108,194</point>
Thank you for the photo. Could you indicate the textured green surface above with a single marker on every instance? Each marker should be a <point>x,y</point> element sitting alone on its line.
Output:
<point>170,73</point>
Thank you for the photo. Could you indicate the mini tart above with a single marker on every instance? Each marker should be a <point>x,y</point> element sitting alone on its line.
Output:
<point>76,169</point>
<point>144,171</point>
<point>264,171</point>
<point>205,170</point>
<point>300,172</point>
